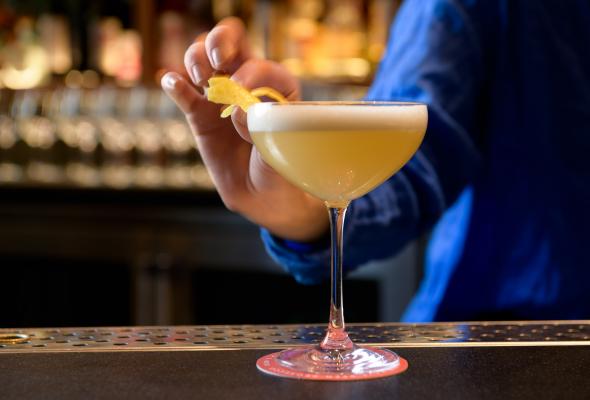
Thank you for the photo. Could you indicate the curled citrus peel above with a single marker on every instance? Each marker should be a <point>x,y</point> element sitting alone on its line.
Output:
<point>223,90</point>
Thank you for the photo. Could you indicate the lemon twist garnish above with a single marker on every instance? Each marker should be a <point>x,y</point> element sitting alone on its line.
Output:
<point>223,90</point>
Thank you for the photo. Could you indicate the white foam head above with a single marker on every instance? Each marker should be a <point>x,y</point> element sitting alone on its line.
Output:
<point>302,116</point>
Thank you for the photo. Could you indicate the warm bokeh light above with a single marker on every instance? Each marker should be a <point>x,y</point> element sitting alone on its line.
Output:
<point>28,68</point>
<point>90,79</point>
<point>73,79</point>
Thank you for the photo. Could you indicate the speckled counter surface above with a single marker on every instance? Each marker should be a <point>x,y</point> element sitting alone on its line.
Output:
<point>556,367</point>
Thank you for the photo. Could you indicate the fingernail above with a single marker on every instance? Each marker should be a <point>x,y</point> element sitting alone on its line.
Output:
<point>241,117</point>
<point>216,56</point>
<point>169,82</point>
<point>195,75</point>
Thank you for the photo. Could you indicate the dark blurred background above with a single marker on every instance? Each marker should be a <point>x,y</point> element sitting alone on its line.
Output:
<point>107,215</point>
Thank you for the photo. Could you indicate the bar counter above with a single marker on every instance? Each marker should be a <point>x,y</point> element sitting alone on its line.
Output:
<point>508,360</point>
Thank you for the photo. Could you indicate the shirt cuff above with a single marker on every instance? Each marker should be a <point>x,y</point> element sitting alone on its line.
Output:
<point>307,262</point>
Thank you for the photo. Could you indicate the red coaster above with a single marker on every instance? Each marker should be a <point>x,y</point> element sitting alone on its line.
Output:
<point>269,365</point>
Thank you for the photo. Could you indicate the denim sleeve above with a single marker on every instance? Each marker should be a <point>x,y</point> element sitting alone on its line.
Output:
<point>434,56</point>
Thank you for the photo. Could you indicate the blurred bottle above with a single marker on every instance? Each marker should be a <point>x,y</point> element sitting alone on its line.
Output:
<point>25,62</point>
<point>119,51</point>
<point>54,35</point>
<point>324,39</point>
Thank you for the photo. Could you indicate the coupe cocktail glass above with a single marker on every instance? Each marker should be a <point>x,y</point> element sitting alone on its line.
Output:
<point>336,151</point>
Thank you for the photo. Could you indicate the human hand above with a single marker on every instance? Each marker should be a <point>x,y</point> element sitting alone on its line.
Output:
<point>246,184</point>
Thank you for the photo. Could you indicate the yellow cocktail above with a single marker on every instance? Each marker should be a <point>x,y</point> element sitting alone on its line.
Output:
<point>337,152</point>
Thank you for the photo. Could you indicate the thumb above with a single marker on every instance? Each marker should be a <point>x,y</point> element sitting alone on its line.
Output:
<point>201,114</point>
<point>181,92</point>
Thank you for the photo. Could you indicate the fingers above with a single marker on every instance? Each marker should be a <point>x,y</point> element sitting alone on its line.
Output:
<point>197,64</point>
<point>223,49</point>
<point>224,153</point>
<point>257,73</point>
<point>202,115</point>
<point>240,121</point>
<point>227,46</point>
<point>186,97</point>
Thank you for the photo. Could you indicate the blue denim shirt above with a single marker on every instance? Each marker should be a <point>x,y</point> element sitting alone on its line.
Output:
<point>503,176</point>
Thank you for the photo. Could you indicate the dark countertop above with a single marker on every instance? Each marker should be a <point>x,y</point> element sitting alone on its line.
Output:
<point>434,373</point>
<point>545,360</point>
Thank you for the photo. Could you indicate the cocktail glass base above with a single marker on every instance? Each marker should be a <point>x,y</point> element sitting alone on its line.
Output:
<point>314,363</point>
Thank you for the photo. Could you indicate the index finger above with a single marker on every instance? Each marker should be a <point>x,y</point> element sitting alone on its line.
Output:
<point>227,45</point>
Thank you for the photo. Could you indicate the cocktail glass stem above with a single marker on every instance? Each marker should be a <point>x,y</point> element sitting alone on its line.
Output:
<point>336,340</point>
